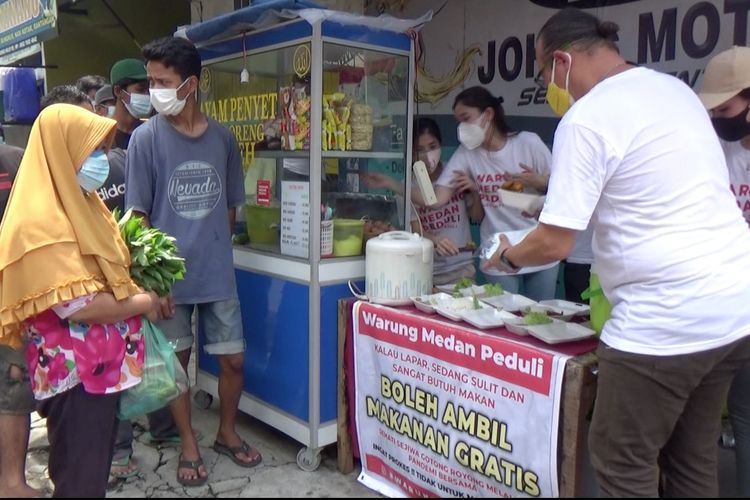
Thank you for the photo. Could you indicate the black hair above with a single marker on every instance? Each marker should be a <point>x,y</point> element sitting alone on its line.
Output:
<point>88,83</point>
<point>481,98</point>
<point>745,94</point>
<point>574,27</point>
<point>64,94</point>
<point>177,53</point>
<point>426,126</point>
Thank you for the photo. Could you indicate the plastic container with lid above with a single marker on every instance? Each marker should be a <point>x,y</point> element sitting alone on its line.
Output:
<point>262,222</point>
<point>347,237</point>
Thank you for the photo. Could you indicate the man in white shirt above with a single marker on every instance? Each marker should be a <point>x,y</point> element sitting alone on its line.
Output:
<point>635,155</point>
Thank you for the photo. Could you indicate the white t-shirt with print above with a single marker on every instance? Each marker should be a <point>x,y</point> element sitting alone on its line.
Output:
<point>450,221</point>
<point>738,163</point>
<point>490,169</point>
<point>638,156</point>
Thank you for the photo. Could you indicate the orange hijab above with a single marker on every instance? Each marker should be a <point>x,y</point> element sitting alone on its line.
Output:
<point>57,242</point>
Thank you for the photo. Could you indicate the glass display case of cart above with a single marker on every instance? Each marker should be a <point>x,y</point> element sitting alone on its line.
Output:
<point>363,130</point>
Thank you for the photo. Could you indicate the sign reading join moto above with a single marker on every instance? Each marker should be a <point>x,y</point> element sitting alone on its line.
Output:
<point>674,36</point>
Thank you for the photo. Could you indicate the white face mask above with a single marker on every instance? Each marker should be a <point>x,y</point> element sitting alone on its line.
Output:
<point>432,159</point>
<point>471,135</point>
<point>166,102</point>
<point>140,105</point>
<point>110,111</point>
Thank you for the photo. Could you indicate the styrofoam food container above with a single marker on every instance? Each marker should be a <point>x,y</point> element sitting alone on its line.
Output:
<point>575,308</point>
<point>427,303</point>
<point>526,202</point>
<point>519,327</point>
<point>453,308</point>
<point>516,325</point>
<point>558,332</point>
<point>510,301</point>
<point>487,317</point>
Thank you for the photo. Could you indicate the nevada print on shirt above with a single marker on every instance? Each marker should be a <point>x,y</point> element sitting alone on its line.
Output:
<point>194,189</point>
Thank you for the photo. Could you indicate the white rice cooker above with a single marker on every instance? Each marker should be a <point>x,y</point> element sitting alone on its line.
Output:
<point>398,265</point>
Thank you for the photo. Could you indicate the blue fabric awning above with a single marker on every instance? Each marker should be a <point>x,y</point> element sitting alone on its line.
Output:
<point>261,15</point>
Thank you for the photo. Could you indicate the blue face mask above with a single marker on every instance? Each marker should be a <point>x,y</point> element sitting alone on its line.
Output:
<point>140,105</point>
<point>94,171</point>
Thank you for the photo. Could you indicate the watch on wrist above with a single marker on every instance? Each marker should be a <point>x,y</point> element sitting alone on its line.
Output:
<point>507,262</point>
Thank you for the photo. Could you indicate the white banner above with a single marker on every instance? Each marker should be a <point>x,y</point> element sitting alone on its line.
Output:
<point>445,411</point>
<point>491,42</point>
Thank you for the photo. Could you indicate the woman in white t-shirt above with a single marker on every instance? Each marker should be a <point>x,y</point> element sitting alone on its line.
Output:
<point>447,226</point>
<point>490,155</point>
<point>726,95</point>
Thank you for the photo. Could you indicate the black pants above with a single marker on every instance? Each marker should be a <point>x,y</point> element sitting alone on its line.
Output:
<point>576,277</point>
<point>81,433</point>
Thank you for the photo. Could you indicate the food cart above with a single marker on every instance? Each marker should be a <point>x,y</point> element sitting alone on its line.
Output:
<point>315,103</point>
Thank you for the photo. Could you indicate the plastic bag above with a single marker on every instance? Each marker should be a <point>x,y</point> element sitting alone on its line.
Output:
<point>163,379</point>
<point>601,309</point>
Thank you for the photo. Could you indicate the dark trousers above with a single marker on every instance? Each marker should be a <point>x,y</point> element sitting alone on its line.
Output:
<point>81,433</point>
<point>160,424</point>
<point>576,278</point>
<point>661,415</point>
<point>739,415</point>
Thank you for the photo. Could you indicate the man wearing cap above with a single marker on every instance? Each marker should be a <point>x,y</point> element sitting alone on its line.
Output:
<point>726,95</point>
<point>104,102</point>
<point>130,88</point>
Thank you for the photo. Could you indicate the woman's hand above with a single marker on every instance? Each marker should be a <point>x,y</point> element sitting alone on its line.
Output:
<point>167,307</point>
<point>154,312</point>
<point>445,247</point>
<point>531,179</point>
<point>375,180</point>
<point>463,182</point>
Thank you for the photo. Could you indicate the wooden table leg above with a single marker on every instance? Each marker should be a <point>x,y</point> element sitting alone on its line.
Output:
<point>578,392</point>
<point>344,444</point>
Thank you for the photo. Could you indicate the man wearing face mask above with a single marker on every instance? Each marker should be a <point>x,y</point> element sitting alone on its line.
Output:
<point>725,93</point>
<point>132,105</point>
<point>635,155</point>
<point>104,102</point>
<point>179,152</point>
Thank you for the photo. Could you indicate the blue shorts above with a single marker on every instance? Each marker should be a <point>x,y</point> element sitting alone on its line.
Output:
<point>220,323</point>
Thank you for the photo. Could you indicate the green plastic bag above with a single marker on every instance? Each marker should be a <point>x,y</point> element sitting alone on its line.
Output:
<point>163,379</point>
<point>601,309</point>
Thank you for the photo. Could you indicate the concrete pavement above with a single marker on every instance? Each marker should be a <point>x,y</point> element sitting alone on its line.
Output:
<point>277,476</point>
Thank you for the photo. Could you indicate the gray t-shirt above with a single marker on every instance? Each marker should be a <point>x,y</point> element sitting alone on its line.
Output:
<point>186,186</point>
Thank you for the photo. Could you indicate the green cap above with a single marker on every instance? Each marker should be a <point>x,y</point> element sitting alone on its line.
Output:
<point>131,69</point>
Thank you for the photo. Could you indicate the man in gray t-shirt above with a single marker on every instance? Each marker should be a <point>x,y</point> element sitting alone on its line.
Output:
<point>184,175</point>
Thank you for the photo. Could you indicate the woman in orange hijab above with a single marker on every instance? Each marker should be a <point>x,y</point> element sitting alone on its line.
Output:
<point>65,286</point>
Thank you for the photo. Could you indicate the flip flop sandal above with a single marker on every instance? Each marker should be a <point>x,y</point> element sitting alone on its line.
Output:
<point>233,451</point>
<point>124,465</point>
<point>195,466</point>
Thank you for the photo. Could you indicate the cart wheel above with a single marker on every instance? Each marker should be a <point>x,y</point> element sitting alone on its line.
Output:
<point>203,400</point>
<point>308,459</point>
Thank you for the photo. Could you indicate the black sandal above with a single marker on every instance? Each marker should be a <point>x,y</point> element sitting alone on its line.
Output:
<point>195,465</point>
<point>233,451</point>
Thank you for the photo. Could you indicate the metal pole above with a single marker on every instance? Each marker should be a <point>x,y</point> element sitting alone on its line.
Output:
<point>316,165</point>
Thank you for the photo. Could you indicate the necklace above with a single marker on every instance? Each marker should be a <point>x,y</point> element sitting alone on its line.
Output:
<point>612,70</point>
